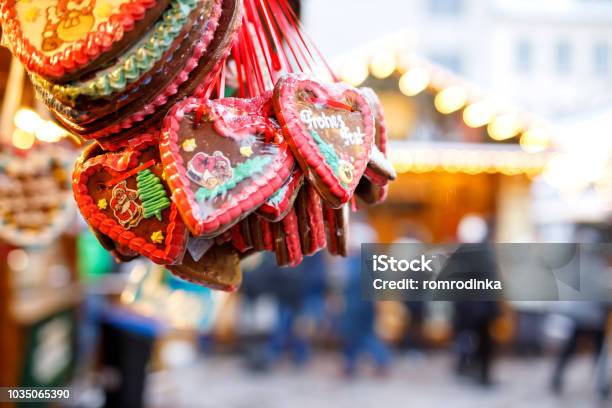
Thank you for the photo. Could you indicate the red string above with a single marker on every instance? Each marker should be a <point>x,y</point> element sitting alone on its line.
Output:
<point>130,173</point>
<point>332,103</point>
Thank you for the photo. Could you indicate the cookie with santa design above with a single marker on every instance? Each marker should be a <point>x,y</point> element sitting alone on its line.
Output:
<point>223,161</point>
<point>287,245</point>
<point>123,195</point>
<point>64,40</point>
<point>373,187</point>
<point>200,69</point>
<point>330,128</point>
<point>120,252</point>
<point>309,212</point>
<point>336,229</point>
<point>218,268</point>
<point>119,84</point>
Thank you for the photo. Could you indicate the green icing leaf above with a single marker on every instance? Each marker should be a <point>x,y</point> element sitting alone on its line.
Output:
<point>241,172</point>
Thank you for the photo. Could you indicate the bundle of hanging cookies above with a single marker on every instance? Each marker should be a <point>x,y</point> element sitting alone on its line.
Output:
<point>210,141</point>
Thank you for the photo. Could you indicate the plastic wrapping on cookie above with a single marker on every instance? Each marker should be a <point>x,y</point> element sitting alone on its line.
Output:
<point>330,128</point>
<point>123,195</point>
<point>280,203</point>
<point>223,160</point>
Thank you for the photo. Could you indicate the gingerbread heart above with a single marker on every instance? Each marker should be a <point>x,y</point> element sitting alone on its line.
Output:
<point>63,40</point>
<point>222,160</point>
<point>218,268</point>
<point>261,233</point>
<point>123,196</point>
<point>287,241</point>
<point>330,128</point>
<point>374,186</point>
<point>337,227</point>
<point>309,213</point>
<point>277,206</point>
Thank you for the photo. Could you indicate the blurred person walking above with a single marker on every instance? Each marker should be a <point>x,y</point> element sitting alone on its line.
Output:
<point>358,320</point>
<point>474,312</point>
<point>588,321</point>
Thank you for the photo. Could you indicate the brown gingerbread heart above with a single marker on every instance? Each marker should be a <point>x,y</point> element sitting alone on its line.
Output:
<point>223,160</point>
<point>123,196</point>
<point>330,128</point>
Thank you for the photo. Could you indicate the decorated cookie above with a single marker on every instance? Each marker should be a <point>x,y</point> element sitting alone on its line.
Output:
<point>287,241</point>
<point>281,202</point>
<point>204,61</point>
<point>309,213</point>
<point>374,185</point>
<point>261,233</point>
<point>336,227</point>
<point>174,70</point>
<point>119,84</point>
<point>221,163</point>
<point>35,202</point>
<point>330,129</point>
<point>241,236</point>
<point>124,196</point>
<point>218,268</point>
<point>63,40</point>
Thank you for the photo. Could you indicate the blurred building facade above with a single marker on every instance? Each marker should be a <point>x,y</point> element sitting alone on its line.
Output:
<point>548,56</point>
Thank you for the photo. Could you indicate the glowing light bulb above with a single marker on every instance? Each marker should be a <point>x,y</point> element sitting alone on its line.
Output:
<point>22,139</point>
<point>535,140</point>
<point>478,114</point>
<point>49,132</point>
<point>504,127</point>
<point>27,120</point>
<point>354,73</point>
<point>383,64</point>
<point>414,81</point>
<point>450,100</point>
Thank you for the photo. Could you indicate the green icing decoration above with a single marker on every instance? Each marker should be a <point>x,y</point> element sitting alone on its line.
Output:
<point>152,194</point>
<point>241,172</point>
<point>140,59</point>
<point>328,152</point>
<point>278,196</point>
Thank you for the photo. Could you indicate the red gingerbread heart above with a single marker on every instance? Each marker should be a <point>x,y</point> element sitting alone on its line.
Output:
<point>281,202</point>
<point>123,196</point>
<point>223,159</point>
<point>330,129</point>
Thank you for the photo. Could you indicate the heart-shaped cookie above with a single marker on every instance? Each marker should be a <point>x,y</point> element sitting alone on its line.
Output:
<point>218,268</point>
<point>123,196</point>
<point>222,160</point>
<point>330,128</point>
<point>276,207</point>
<point>309,213</point>
<point>374,186</point>
<point>337,228</point>
<point>261,233</point>
<point>287,241</point>
<point>63,40</point>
